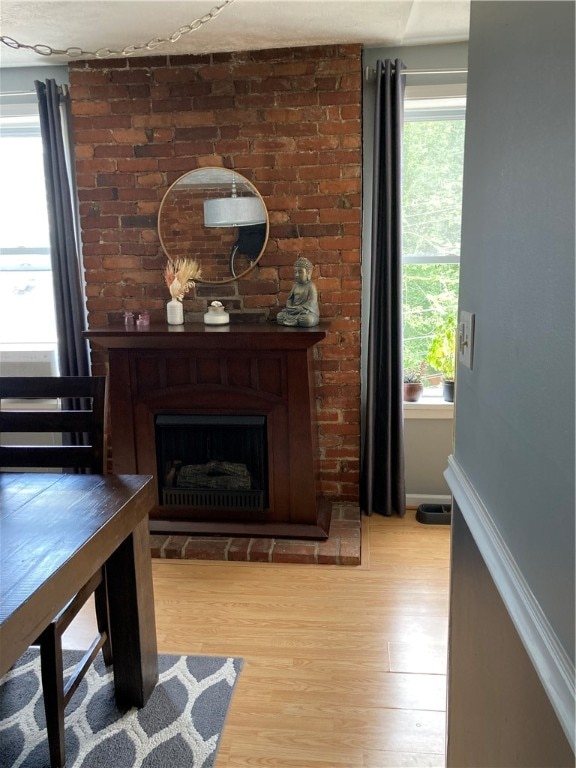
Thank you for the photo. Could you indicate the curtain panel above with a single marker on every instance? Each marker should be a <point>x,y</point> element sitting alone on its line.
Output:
<point>73,357</point>
<point>54,108</point>
<point>382,488</point>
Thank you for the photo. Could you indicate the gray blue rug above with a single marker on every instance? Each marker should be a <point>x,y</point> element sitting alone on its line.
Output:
<point>180,726</point>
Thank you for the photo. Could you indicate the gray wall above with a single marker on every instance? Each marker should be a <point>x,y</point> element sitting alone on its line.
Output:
<point>21,79</point>
<point>515,411</point>
<point>427,445</point>
<point>499,715</point>
<point>17,92</point>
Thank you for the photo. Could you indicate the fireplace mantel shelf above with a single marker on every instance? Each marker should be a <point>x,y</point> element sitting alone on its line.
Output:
<point>240,369</point>
<point>200,336</point>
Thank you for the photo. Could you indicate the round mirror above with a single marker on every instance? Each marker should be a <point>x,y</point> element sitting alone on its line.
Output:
<point>217,217</point>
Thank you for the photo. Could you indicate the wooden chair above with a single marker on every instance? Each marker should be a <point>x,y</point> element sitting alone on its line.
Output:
<point>28,413</point>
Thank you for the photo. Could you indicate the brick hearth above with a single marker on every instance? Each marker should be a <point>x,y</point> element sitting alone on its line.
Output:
<point>343,546</point>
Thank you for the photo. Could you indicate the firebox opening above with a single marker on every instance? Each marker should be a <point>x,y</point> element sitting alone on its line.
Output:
<point>212,461</point>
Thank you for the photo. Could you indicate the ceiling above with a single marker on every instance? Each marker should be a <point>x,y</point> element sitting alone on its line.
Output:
<point>241,25</point>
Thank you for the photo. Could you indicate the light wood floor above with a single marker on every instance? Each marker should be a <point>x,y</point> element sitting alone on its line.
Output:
<point>343,667</point>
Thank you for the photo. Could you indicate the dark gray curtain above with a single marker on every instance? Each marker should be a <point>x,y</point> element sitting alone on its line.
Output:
<point>54,108</point>
<point>382,482</point>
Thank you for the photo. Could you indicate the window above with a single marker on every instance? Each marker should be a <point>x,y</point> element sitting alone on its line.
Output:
<point>432,202</point>
<point>27,320</point>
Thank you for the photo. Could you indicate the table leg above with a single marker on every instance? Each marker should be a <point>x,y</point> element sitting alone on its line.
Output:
<point>132,619</point>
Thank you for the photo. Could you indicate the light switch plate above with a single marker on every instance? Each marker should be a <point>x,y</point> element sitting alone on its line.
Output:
<point>466,339</point>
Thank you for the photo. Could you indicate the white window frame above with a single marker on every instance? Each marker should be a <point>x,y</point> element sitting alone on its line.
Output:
<point>432,103</point>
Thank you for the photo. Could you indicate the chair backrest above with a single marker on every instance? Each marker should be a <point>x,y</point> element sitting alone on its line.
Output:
<point>80,419</point>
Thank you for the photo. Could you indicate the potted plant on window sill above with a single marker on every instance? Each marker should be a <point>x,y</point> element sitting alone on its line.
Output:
<point>413,383</point>
<point>442,356</point>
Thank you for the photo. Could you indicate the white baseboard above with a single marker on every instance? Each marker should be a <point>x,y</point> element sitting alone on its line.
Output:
<point>551,662</point>
<point>415,499</point>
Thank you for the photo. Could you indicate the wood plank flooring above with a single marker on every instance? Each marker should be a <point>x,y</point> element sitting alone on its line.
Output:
<point>344,667</point>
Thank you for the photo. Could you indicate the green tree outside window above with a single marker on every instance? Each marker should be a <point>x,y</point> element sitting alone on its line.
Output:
<point>432,203</point>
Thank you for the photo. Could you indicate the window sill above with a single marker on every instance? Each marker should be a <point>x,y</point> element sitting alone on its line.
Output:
<point>429,408</point>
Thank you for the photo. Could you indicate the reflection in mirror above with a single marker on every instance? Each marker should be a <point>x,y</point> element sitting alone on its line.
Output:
<point>217,217</point>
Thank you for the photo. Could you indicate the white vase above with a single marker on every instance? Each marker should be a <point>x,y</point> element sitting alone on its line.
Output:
<point>174,312</point>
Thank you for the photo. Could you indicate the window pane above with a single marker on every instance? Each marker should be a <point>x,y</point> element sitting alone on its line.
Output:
<point>26,307</point>
<point>432,188</point>
<point>433,156</point>
<point>22,193</point>
<point>430,294</point>
<point>26,291</point>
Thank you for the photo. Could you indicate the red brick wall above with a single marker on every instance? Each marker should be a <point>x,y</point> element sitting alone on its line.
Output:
<point>290,121</point>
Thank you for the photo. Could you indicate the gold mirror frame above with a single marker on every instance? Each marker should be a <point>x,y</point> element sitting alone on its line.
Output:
<point>224,253</point>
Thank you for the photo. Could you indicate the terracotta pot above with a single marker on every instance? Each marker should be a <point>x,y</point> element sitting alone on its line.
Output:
<point>412,391</point>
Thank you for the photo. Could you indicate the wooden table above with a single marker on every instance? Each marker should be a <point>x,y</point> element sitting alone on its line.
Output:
<point>55,532</point>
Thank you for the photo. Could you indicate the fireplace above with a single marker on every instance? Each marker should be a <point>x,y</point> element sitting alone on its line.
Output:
<point>212,462</point>
<point>223,417</point>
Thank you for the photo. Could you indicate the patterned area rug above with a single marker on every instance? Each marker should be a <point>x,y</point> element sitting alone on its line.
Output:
<point>180,726</point>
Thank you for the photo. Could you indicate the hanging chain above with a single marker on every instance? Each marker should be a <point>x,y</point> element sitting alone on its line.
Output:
<point>106,53</point>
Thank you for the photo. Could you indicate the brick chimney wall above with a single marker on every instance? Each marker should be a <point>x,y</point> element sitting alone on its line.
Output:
<point>289,120</point>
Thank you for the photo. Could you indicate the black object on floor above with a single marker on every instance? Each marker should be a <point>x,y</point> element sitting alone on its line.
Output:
<point>434,514</point>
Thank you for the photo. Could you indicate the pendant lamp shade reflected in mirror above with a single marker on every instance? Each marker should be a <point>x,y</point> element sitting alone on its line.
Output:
<point>233,212</point>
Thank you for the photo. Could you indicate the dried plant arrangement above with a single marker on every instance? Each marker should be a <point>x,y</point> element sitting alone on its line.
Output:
<point>180,276</point>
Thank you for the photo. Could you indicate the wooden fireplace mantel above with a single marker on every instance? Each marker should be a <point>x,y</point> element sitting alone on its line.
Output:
<point>255,369</point>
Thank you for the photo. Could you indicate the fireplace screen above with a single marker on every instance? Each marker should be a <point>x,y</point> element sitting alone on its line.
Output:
<point>212,461</point>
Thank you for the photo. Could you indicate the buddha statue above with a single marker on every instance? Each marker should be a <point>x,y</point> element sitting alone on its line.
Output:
<point>302,303</point>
